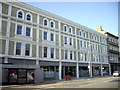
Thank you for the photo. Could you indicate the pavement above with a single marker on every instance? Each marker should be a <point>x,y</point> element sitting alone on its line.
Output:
<point>52,82</point>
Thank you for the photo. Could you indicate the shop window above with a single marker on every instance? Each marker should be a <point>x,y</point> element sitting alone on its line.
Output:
<point>18,48</point>
<point>30,76</point>
<point>45,51</point>
<point>45,35</point>
<point>28,30</point>
<point>52,52</point>
<point>13,77</point>
<point>19,29</point>
<point>51,37</point>
<point>27,49</point>
<point>21,76</point>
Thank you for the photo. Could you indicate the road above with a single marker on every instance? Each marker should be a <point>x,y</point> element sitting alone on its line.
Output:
<point>104,82</point>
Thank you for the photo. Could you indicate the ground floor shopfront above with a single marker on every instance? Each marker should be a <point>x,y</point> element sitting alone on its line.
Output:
<point>59,70</point>
<point>115,67</point>
<point>50,70</point>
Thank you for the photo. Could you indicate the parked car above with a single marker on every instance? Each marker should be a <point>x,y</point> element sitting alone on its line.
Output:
<point>116,73</point>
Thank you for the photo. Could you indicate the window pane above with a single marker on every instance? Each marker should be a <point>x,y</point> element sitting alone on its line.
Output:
<point>27,49</point>
<point>71,55</point>
<point>45,22</point>
<point>18,48</point>
<point>81,56</point>
<point>45,51</point>
<point>52,37</point>
<point>45,35</point>
<point>84,44</point>
<point>70,41</point>
<point>70,30</point>
<point>65,40</point>
<point>80,43</point>
<point>65,28</point>
<point>20,15</point>
<point>66,52</point>
<point>52,24</point>
<point>27,31</point>
<point>19,29</point>
<point>52,52</point>
<point>28,17</point>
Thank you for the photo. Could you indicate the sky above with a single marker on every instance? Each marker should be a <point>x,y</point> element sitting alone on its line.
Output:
<point>90,14</point>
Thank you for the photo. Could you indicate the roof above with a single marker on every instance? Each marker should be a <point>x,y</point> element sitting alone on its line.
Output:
<point>112,35</point>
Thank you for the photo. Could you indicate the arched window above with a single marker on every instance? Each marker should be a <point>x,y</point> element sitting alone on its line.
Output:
<point>84,34</point>
<point>52,24</point>
<point>80,33</point>
<point>0,8</point>
<point>65,28</point>
<point>28,17</point>
<point>20,14</point>
<point>45,22</point>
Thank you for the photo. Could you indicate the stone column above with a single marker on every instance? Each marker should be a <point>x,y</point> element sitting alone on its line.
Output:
<point>101,70</point>
<point>38,74</point>
<point>109,69</point>
<point>77,70</point>
<point>60,70</point>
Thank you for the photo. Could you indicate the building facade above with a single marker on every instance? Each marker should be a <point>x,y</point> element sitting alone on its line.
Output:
<point>113,49</point>
<point>37,45</point>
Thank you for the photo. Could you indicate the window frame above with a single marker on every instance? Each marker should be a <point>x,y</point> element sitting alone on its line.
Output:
<point>52,51</point>
<point>65,30</point>
<point>20,48</point>
<point>51,37</point>
<point>81,33</point>
<point>71,55</point>
<point>45,37</point>
<point>28,49</point>
<point>30,17</point>
<point>70,41</point>
<point>18,14</point>
<point>53,24</point>
<point>66,54</point>
<point>44,22</point>
<point>69,30</point>
<point>17,29</point>
<point>26,31</point>
<point>45,52</point>
<point>65,40</point>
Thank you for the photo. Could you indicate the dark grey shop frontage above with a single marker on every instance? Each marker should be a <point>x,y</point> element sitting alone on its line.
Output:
<point>16,74</point>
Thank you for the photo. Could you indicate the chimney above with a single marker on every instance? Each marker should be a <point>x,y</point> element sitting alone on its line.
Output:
<point>99,28</point>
